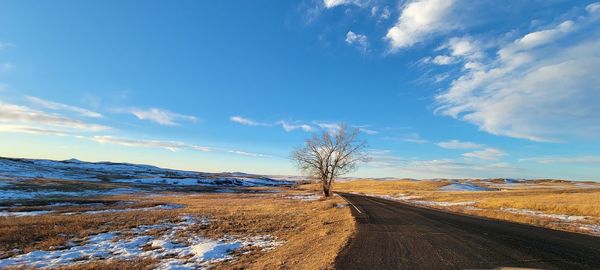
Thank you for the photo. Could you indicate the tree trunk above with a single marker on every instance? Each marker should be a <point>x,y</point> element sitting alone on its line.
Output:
<point>326,188</point>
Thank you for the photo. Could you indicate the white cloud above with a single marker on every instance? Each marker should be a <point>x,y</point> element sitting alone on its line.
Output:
<point>173,146</point>
<point>34,130</point>
<point>381,14</point>
<point>486,154</point>
<point>249,154</point>
<point>63,107</point>
<point>358,40</point>
<point>443,60</point>
<point>163,117</point>
<point>291,127</point>
<point>565,160</point>
<point>593,8</point>
<point>384,160</point>
<point>169,145</point>
<point>243,121</point>
<point>536,39</point>
<point>385,14</point>
<point>536,88</point>
<point>12,113</point>
<point>456,144</point>
<point>330,127</point>
<point>368,131</point>
<point>418,20</point>
<point>335,3</point>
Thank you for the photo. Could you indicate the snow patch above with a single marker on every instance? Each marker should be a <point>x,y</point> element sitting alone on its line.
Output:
<point>305,197</point>
<point>561,217</point>
<point>24,214</point>
<point>169,249</point>
<point>9,194</point>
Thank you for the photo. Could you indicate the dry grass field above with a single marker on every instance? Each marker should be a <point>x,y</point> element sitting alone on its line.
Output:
<point>553,204</point>
<point>309,233</point>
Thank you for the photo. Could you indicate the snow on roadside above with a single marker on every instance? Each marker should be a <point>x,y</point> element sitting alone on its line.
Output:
<point>561,217</point>
<point>168,248</point>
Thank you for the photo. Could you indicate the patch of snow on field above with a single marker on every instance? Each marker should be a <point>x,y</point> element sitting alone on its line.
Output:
<point>305,197</point>
<point>10,194</point>
<point>464,187</point>
<point>560,217</point>
<point>158,207</point>
<point>169,250</point>
<point>24,214</point>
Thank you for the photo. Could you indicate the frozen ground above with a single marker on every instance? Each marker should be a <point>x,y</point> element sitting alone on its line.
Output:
<point>174,247</point>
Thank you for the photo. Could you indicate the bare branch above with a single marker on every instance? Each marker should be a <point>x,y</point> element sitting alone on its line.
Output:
<point>330,155</point>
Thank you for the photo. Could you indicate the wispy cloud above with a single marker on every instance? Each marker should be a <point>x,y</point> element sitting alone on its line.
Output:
<point>486,154</point>
<point>335,3</point>
<point>456,144</point>
<point>246,121</point>
<point>358,40</point>
<point>367,130</point>
<point>418,20</point>
<point>291,127</point>
<point>386,160</point>
<point>12,113</point>
<point>541,86</point>
<point>330,127</point>
<point>590,160</point>
<point>34,130</point>
<point>169,145</point>
<point>250,154</point>
<point>410,137</point>
<point>162,116</point>
<point>47,104</point>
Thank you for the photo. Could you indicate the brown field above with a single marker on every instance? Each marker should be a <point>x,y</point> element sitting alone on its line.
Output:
<point>312,232</point>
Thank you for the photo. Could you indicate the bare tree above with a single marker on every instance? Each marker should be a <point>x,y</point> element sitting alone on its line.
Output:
<point>333,153</point>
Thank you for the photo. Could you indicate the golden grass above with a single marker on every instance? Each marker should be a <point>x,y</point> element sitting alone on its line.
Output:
<point>368,186</point>
<point>312,232</point>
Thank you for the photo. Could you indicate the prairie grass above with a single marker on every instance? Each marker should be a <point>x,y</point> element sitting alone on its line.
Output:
<point>312,232</point>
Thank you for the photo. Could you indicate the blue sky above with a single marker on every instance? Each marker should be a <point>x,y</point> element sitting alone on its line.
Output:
<point>440,88</point>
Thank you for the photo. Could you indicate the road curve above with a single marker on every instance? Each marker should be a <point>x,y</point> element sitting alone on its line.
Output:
<point>394,235</point>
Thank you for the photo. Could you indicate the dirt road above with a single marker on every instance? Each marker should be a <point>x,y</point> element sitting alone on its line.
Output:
<point>394,235</point>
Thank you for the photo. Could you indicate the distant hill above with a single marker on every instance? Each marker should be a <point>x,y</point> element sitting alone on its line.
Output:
<point>74,169</point>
